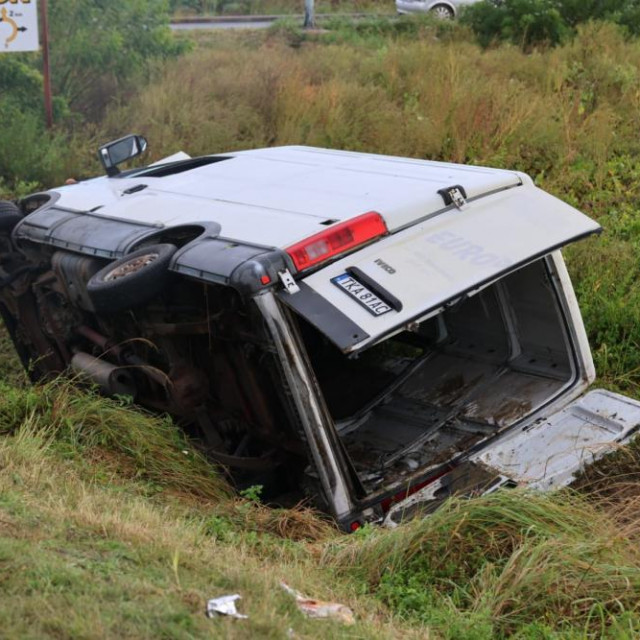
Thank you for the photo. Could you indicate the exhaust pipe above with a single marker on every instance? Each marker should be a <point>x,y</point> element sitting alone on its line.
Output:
<point>112,380</point>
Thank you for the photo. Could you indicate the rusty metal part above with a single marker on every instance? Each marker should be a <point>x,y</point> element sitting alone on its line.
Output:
<point>74,271</point>
<point>132,266</point>
<point>29,325</point>
<point>258,463</point>
<point>98,339</point>
<point>57,318</point>
<point>199,327</point>
<point>253,392</point>
<point>188,386</point>
<point>130,359</point>
<point>111,379</point>
<point>209,429</point>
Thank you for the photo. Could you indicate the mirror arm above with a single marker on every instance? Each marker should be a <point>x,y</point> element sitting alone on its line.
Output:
<point>111,169</point>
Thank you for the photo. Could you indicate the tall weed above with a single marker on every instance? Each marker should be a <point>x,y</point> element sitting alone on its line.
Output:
<point>506,563</point>
<point>84,423</point>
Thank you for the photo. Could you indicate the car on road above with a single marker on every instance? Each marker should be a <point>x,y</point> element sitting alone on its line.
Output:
<point>442,9</point>
<point>372,332</point>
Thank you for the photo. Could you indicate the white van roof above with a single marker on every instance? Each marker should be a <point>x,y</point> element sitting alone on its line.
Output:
<point>280,195</point>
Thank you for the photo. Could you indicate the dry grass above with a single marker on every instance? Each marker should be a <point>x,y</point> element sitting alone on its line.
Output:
<point>152,448</point>
<point>424,98</point>
<point>93,559</point>
<point>120,444</point>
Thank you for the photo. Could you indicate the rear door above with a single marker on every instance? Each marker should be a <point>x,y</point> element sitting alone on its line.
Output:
<point>545,455</point>
<point>416,271</point>
<point>550,452</point>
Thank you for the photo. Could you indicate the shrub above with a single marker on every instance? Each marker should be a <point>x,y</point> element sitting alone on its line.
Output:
<point>629,17</point>
<point>27,151</point>
<point>97,47</point>
<point>99,44</point>
<point>526,23</point>
<point>534,23</point>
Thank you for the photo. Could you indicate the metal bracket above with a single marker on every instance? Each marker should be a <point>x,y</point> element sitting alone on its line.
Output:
<point>455,195</point>
<point>287,280</point>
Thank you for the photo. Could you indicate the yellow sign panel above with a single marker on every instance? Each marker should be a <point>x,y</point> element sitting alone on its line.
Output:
<point>18,26</point>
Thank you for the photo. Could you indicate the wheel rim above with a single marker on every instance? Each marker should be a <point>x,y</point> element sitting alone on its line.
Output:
<point>132,266</point>
<point>442,13</point>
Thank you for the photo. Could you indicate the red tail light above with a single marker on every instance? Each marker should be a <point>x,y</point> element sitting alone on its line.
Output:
<point>336,240</point>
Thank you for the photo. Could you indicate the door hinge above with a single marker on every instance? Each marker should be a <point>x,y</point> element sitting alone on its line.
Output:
<point>455,195</point>
<point>287,280</point>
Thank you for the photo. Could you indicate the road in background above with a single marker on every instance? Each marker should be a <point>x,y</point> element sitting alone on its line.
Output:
<point>254,22</point>
<point>235,22</point>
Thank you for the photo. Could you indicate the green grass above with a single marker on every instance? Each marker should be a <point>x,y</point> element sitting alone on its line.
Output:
<point>96,541</point>
<point>505,564</point>
<point>87,557</point>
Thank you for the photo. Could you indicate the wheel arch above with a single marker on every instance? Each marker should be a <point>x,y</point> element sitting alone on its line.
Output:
<point>180,236</point>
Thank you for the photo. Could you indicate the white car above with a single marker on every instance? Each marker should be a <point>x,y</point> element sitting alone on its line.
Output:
<point>443,9</point>
<point>376,332</point>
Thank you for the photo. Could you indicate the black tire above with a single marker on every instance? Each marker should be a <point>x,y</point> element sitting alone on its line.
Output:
<point>131,281</point>
<point>10,215</point>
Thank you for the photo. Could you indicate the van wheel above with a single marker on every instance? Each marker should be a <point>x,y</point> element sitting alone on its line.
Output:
<point>131,281</point>
<point>442,12</point>
<point>10,215</point>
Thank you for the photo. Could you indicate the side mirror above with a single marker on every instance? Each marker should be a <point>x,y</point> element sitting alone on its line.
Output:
<point>114,153</point>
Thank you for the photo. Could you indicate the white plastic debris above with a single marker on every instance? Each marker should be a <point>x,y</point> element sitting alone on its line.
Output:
<point>319,609</point>
<point>224,606</point>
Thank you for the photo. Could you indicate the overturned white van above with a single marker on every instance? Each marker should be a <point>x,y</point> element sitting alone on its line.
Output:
<point>376,333</point>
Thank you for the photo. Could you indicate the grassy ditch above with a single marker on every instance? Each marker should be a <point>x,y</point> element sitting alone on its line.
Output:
<point>111,525</point>
<point>128,444</point>
<point>509,564</point>
<point>90,549</point>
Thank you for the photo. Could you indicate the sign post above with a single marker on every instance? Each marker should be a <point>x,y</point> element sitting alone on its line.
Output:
<point>19,32</point>
<point>46,75</point>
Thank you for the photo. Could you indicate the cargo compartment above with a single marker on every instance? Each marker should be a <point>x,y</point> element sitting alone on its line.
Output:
<point>424,395</point>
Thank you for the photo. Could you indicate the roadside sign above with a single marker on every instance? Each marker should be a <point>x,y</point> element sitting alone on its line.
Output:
<point>18,26</point>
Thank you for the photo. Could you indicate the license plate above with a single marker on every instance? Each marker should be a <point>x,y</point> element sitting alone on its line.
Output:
<point>363,296</point>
